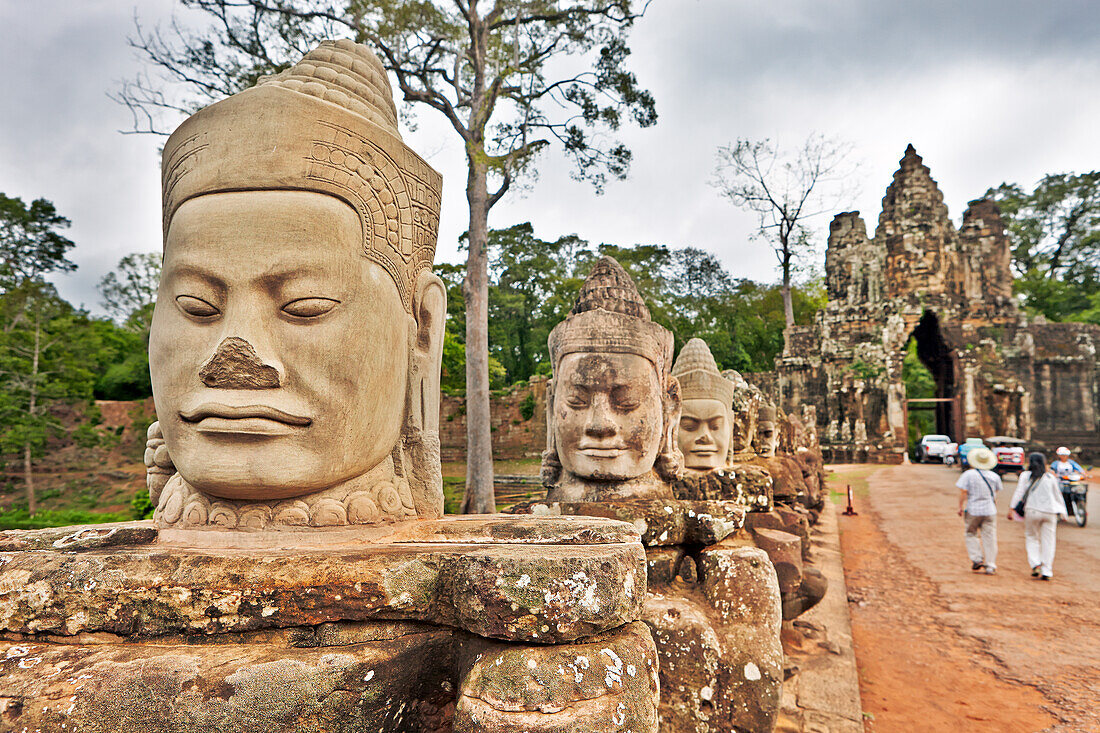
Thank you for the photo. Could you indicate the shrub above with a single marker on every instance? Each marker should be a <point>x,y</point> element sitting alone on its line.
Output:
<point>141,505</point>
<point>527,407</point>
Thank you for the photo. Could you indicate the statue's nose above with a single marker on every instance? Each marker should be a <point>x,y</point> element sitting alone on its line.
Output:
<point>235,365</point>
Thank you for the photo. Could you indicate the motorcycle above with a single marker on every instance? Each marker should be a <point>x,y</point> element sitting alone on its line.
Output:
<point>1075,493</point>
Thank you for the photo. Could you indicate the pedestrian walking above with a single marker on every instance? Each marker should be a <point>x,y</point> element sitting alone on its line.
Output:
<point>1039,494</point>
<point>978,505</point>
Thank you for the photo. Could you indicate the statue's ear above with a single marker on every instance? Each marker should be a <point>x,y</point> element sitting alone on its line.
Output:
<point>670,461</point>
<point>550,471</point>
<point>422,396</point>
<point>673,407</point>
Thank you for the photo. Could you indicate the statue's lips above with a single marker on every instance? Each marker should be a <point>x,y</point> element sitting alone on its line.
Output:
<point>703,451</point>
<point>592,452</point>
<point>211,417</point>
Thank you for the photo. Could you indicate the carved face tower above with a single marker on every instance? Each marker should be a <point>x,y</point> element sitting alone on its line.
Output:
<point>297,337</point>
<point>706,425</point>
<point>613,405</point>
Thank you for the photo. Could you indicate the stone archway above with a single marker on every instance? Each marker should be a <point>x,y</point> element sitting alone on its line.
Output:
<point>941,360</point>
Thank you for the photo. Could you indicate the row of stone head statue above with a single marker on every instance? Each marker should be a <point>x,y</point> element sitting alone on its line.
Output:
<point>296,343</point>
<point>624,420</point>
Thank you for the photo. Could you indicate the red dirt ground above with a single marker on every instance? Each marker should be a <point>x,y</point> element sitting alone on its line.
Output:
<point>942,649</point>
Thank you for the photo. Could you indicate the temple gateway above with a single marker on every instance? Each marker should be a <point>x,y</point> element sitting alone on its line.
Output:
<point>996,371</point>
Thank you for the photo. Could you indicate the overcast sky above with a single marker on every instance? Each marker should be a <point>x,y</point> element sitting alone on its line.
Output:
<point>987,91</point>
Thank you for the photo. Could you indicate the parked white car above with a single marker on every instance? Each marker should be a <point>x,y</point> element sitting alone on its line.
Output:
<point>933,448</point>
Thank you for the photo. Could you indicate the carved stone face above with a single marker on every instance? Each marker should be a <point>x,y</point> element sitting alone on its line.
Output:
<point>278,352</point>
<point>767,437</point>
<point>608,415</point>
<point>704,434</point>
<point>744,422</point>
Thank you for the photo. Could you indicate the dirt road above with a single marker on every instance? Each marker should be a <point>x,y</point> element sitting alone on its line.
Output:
<point>942,648</point>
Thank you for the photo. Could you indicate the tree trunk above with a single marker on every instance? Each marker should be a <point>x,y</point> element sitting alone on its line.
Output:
<point>28,471</point>
<point>478,497</point>
<point>788,305</point>
<point>28,476</point>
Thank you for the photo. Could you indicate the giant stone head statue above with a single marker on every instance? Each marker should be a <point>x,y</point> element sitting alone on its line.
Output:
<point>613,405</point>
<point>706,424</point>
<point>296,342</point>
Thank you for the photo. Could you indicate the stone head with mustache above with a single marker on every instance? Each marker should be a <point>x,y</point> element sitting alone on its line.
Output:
<point>296,342</point>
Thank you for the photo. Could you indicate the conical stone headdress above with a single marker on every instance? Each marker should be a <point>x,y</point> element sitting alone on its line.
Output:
<point>610,316</point>
<point>698,374</point>
<point>328,124</point>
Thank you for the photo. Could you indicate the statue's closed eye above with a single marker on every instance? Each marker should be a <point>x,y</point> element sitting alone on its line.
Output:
<point>309,307</point>
<point>196,307</point>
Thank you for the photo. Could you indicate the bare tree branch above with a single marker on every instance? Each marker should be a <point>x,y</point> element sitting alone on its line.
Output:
<point>784,189</point>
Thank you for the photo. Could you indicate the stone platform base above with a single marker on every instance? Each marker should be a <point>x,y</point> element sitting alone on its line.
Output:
<point>472,624</point>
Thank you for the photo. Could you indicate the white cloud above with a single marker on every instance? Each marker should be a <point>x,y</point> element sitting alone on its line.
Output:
<point>987,91</point>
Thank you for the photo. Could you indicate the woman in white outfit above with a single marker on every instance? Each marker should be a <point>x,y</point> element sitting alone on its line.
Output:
<point>1043,506</point>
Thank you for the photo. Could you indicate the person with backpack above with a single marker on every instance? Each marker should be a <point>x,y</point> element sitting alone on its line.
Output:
<point>1038,498</point>
<point>978,504</point>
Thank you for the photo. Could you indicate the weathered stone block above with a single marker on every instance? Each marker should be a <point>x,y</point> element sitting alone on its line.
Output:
<point>718,642</point>
<point>603,683</point>
<point>660,521</point>
<point>105,685</point>
<point>785,552</point>
<point>268,631</point>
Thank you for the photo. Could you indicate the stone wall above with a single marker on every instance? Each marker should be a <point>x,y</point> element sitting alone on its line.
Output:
<point>950,289</point>
<point>514,436</point>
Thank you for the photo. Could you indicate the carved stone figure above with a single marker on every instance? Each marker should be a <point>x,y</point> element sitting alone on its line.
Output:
<point>613,408</point>
<point>613,404</point>
<point>746,406</point>
<point>297,576</point>
<point>297,337</point>
<point>706,423</point>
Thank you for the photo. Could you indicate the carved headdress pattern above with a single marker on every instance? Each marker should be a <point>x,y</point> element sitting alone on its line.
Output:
<point>610,316</point>
<point>698,374</point>
<point>328,124</point>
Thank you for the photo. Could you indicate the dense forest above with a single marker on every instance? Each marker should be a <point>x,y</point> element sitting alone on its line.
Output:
<point>533,282</point>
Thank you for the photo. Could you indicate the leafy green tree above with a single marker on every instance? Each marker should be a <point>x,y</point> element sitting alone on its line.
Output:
<point>46,357</point>
<point>918,385</point>
<point>123,366</point>
<point>130,292</point>
<point>532,287</point>
<point>128,295</point>
<point>1054,231</point>
<point>534,282</point>
<point>31,247</point>
<point>511,78</point>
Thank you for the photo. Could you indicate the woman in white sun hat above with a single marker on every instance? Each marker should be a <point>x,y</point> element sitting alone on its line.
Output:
<point>978,487</point>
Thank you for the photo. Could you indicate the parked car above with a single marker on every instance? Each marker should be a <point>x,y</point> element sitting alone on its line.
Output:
<point>932,448</point>
<point>964,448</point>
<point>1009,452</point>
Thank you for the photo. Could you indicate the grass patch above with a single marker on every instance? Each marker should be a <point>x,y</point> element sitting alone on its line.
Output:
<point>839,478</point>
<point>20,519</point>
<point>452,493</point>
